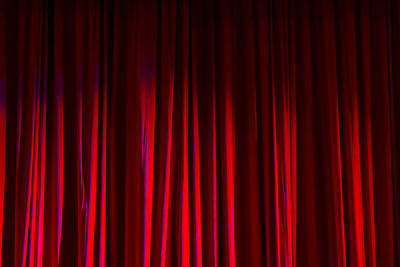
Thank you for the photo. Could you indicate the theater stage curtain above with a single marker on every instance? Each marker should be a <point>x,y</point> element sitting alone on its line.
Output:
<point>200,133</point>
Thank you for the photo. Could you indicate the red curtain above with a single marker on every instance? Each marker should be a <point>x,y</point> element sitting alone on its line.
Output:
<point>200,132</point>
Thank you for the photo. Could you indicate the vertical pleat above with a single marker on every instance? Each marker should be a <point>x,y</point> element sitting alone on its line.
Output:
<point>199,133</point>
<point>58,72</point>
<point>147,47</point>
<point>380,134</point>
<point>3,113</point>
<point>350,133</point>
<point>364,61</point>
<point>81,201</point>
<point>183,24</point>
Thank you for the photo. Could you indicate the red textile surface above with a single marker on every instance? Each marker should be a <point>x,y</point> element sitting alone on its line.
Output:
<point>200,133</point>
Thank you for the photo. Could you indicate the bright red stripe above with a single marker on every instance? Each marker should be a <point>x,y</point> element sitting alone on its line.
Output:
<point>2,155</point>
<point>93,65</point>
<point>60,170</point>
<point>2,125</point>
<point>42,183</point>
<point>357,190</point>
<point>93,181</point>
<point>365,68</point>
<point>81,184</point>
<point>58,61</point>
<point>31,85</point>
<point>185,186</point>
<point>81,198</point>
<point>148,152</point>
<point>39,256</point>
<point>230,173</point>
<point>103,184</point>
<point>288,182</point>
<point>292,124</point>
<point>275,148</point>
<point>199,257</point>
<point>28,205</point>
<point>214,159</point>
<point>185,249</point>
<point>167,178</point>
<point>147,86</point>
<point>276,183</point>
<point>370,189</point>
<point>32,241</point>
<point>214,152</point>
<point>34,230</point>
<point>293,183</point>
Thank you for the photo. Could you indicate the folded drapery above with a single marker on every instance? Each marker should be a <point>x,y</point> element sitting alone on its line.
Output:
<point>200,132</point>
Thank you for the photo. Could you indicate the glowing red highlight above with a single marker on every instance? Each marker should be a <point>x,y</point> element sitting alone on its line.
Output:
<point>32,241</point>
<point>214,156</point>
<point>357,194</point>
<point>60,166</point>
<point>230,173</point>
<point>28,205</point>
<point>293,185</point>
<point>93,181</point>
<point>58,61</point>
<point>339,161</point>
<point>366,111</point>
<point>39,258</point>
<point>185,187</point>
<point>167,178</point>
<point>199,257</point>
<point>288,182</point>
<point>2,155</point>
<point>2,127</point>
<point>370,189</point>
<point>42,167</point>
<point>276,183</point>
<point>103,184</point>
<point>148,113</point>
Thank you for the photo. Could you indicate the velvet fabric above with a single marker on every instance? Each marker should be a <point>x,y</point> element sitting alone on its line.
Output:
<point>200,133</point>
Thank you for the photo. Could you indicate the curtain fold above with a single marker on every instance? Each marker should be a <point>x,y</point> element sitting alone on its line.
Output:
<point>199,133</point>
